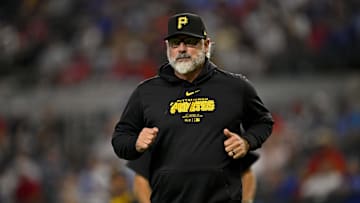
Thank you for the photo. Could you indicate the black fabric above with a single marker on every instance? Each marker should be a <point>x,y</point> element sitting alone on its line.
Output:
<point>141,166</point>
<point>188,153</point>
<point>186,24</point>
<point>217,178</point>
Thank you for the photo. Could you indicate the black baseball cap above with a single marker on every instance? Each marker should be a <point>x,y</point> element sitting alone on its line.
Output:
<point>186,24</point>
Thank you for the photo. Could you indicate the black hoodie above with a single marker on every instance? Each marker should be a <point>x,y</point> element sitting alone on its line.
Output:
<point>188,160</point>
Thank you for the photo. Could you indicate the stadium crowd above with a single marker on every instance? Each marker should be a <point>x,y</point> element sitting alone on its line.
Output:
<point>48,156</point>
<point>49,42</point>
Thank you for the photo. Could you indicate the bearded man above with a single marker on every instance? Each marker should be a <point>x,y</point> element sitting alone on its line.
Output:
<point>195,121</point>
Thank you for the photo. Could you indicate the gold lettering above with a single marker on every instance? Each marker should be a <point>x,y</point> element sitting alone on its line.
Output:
<point>208,106</point>
<point>192,105</point>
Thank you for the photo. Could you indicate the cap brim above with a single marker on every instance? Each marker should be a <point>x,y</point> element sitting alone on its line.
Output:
<point>184,33</point>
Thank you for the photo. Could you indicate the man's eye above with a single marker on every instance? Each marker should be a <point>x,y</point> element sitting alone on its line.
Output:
<point>187,41</point>
<point>191,41</point>
<point>175,41</point>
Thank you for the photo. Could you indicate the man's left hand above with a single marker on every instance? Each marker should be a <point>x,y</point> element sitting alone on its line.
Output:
<point>235,145</point>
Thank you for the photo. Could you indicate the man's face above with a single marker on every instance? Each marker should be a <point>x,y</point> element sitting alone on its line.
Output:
<point>186,53</point>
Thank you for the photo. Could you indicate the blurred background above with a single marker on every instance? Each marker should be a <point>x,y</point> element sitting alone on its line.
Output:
<point>67,68</point>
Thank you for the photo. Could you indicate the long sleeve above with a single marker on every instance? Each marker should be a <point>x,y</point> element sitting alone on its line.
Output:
<point>128,128</point>
<point>258,122</point>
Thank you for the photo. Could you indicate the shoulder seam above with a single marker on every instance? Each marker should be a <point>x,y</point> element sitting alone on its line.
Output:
<point>234,75</point>
<point>149,80</point>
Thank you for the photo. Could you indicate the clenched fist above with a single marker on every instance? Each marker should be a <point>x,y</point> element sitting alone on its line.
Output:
<point>146,138</point>
<point>235,145</point>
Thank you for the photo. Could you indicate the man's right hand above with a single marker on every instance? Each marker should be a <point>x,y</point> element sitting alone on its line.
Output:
<point>146,138</point>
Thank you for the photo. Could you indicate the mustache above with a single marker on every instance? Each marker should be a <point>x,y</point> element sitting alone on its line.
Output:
<point>182,56</point>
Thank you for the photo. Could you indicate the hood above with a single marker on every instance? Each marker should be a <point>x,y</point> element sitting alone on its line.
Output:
<point>166,72</point>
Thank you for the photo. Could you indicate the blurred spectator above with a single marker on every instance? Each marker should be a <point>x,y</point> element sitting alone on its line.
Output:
<point>94,181</point>
<point>76,71</point>
<point>53,60</point>
<point>348,123</point>
<point>120,191</point>
<point>28,191</point>
<point>351,185</point>
<point>28,180</point>
<point>325,171</point>
<point>4,141</point>
<point>68,188</point>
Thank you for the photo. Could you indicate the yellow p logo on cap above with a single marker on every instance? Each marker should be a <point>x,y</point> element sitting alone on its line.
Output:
<point>182,21</point>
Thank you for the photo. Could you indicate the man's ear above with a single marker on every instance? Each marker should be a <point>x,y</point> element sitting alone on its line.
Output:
<point>207,45</point>
<point>207,42</point>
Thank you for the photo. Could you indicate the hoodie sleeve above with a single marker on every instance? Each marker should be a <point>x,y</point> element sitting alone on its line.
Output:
<point>141,165</point>
<point>128,128</point>
<point>258,122</point>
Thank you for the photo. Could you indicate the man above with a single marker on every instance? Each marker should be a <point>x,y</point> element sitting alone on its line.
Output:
<point>189,119</point>
<point>142,189</point>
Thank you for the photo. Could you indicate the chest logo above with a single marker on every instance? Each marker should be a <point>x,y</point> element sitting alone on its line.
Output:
<point>192,109</point>
<point>189,93</point>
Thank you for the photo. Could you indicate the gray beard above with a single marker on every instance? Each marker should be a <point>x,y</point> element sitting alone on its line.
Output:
<point>187,66</point>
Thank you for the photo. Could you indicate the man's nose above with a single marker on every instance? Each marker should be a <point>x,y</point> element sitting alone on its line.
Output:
<point>182,46</point>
